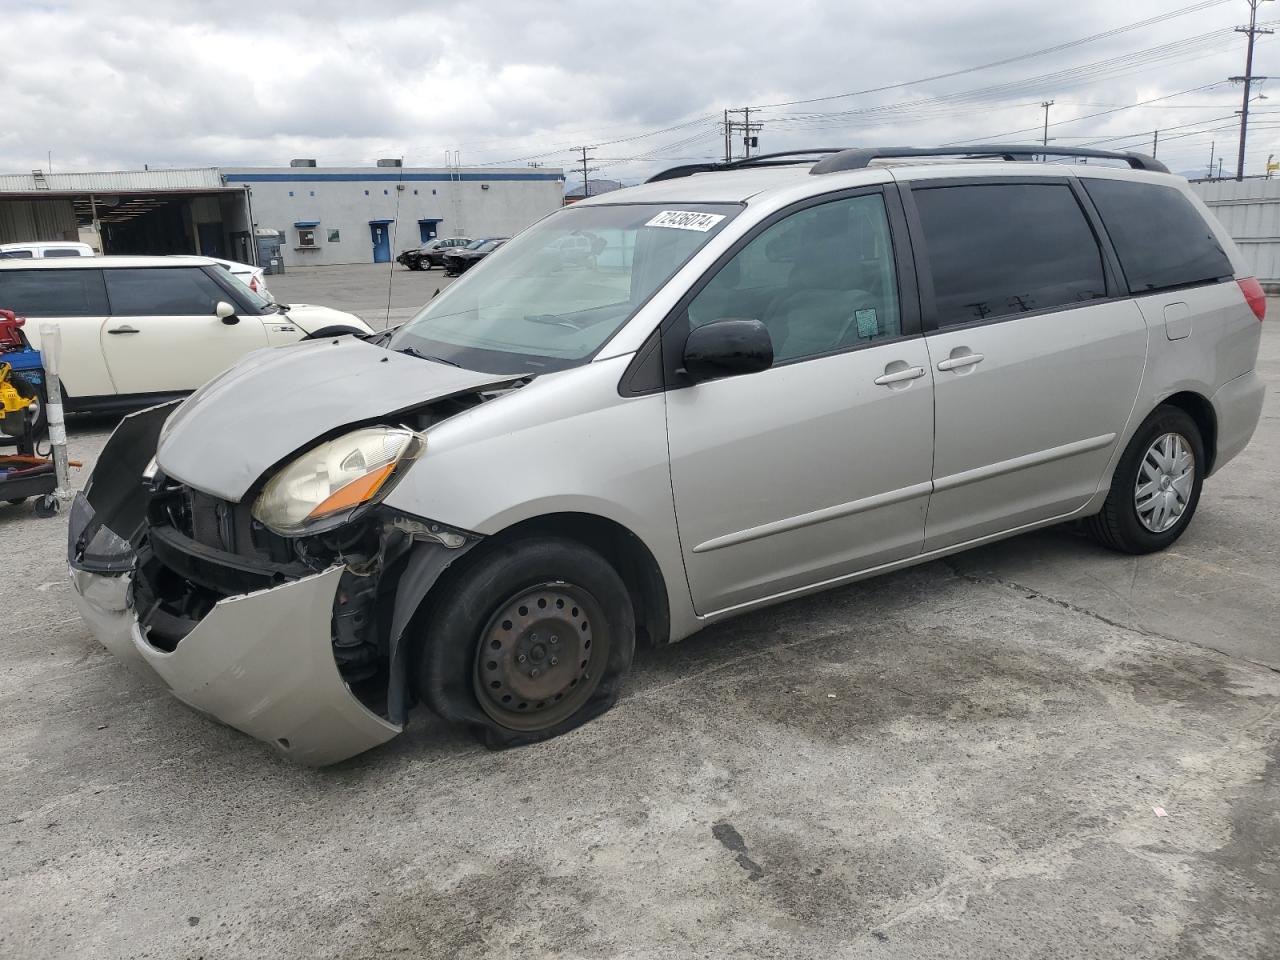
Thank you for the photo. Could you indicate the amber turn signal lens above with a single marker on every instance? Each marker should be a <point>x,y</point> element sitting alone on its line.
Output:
<point>354,493</point>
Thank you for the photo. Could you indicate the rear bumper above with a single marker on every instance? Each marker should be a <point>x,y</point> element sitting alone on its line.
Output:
<point>1237,406</point>
<point>262,663</point>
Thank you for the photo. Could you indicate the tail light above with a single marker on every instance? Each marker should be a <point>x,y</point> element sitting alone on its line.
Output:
<point>253,284</point>
<point>1252,291</point>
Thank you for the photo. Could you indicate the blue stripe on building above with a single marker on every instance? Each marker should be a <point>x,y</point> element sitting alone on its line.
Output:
<point>385,177</point>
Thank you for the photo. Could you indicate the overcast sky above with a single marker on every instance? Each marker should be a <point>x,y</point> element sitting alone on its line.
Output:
<point>203,84</point>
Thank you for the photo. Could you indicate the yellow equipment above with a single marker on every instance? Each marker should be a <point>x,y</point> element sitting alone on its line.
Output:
<point>12,403</point>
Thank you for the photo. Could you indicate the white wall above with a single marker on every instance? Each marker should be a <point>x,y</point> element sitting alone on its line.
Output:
<point>345,199</point>
<point>1250,210</point>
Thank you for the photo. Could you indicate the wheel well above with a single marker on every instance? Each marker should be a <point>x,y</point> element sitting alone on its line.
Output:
<point>627,554</point>
<point>1201,411</point>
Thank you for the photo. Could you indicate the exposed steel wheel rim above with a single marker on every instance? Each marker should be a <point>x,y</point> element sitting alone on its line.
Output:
<point>1166,477</point>
<point>540,656</point>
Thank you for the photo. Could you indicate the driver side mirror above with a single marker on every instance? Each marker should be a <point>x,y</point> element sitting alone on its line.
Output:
<point>727,348</point>
<point>226,313</point>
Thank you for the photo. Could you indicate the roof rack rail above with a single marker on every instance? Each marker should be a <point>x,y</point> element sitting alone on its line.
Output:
<point>783,158</point>
<point>860,157</point>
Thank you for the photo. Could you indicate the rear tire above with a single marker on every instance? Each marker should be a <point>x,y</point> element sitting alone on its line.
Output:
<point>1155,490</point>
<point>529,640</point>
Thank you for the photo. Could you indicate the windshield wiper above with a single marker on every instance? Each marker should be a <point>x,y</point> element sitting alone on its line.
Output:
<point>415,352</point>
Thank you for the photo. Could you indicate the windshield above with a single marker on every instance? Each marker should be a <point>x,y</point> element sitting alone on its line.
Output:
<point>477,244</point>
<point>554,295</point>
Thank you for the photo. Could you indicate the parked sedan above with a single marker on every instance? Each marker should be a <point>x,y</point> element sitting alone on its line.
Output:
<point>460,261</point>
<point>431,254</point>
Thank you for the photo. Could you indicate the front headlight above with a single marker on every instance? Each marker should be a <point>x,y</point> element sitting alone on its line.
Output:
<point>334,478</point>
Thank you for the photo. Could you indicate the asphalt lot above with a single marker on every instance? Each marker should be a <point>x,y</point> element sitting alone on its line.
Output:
<point>364,289</point>
<point>960,760</point>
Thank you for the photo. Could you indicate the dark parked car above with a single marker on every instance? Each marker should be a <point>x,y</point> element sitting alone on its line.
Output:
<point>460,261</point>
<point>431,254</point>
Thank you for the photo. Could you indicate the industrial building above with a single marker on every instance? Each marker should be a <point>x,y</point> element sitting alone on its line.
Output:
<point>360,214</point>
<point>316,215</point>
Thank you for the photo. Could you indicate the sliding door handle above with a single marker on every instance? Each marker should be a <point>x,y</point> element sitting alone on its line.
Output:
<point>960,362</point>
<point>125,329</point>
<point>910,373</point>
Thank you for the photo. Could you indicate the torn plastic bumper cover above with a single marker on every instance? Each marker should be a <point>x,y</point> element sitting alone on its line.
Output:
<point>272,658</point>
<point>262,663</point>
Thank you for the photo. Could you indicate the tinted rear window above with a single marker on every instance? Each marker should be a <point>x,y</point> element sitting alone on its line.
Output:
<point>53,293</point>
<point>1008,248</point>
<point>61,252</point>
<point>1161,239</point>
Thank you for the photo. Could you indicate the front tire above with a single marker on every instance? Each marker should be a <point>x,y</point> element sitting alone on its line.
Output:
<point>1156,486</point>
<point>530,640</point>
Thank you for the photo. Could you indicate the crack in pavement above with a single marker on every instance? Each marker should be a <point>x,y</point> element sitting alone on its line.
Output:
<point>992,580</point>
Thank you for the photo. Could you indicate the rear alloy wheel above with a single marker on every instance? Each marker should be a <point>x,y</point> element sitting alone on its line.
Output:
<point>529,640</point>
<point>1156,486</point>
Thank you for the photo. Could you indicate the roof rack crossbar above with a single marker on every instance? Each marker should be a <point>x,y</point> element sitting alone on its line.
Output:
<point>861,157</point>
<point>782,158</point>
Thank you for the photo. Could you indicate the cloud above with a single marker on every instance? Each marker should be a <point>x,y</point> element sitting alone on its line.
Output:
<point>181,83</point>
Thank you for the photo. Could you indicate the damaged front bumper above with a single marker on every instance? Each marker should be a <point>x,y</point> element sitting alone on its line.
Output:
<point>262,663</point>
<point>305,650</point>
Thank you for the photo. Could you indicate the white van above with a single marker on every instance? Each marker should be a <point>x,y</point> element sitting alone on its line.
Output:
<point>43,250</point>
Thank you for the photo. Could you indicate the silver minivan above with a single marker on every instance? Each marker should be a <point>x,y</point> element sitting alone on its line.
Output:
<point>770,378</point>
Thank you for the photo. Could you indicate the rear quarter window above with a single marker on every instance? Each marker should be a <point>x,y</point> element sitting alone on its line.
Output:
<point>53,293</point>
<point>1160,237</point>
<point>1000,249</point>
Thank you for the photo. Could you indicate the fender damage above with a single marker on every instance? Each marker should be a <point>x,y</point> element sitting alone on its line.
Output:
<point>302,643</point>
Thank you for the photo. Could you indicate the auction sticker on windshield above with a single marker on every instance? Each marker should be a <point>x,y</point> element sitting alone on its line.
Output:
<point>686,220</point>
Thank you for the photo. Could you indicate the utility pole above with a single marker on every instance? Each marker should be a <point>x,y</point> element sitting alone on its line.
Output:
<point>1155,143</point>
<point>1253,30</point>
<point>1212,145</point>
<point>749,130</point>
<point>728,138</point>
<point>1047,104</point>
<point>586,171</point>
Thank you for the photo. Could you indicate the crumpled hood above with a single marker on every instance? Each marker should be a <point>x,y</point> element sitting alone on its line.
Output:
<point>277,401</point>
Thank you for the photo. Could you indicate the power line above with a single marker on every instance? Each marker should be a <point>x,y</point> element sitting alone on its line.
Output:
<point>988,93</point>
<point>1084,73</point>
<point>1090,116</point>
<point>1115,31</point>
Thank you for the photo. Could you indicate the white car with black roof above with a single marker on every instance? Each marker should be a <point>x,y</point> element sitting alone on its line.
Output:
<point>139,330</point>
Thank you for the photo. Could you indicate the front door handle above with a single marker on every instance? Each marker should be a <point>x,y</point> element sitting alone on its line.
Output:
<point>960,362</point>
<point>125,329</point>
<point>909,373</point>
